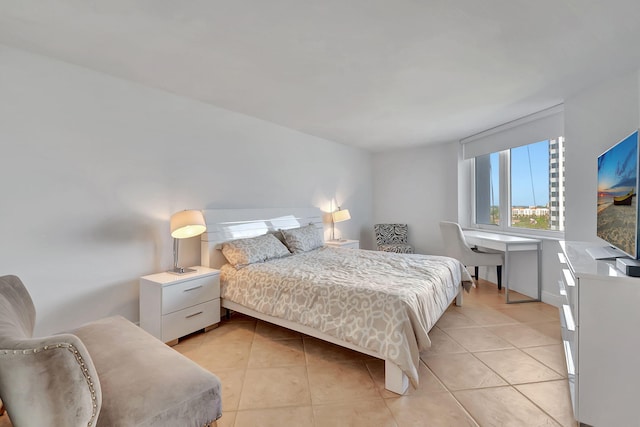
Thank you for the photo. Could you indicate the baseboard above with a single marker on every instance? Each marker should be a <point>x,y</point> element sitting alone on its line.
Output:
<point>552,299</point>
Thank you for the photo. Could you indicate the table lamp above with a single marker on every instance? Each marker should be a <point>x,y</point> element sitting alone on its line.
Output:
<point>185,224</point>
<point>338,216</point>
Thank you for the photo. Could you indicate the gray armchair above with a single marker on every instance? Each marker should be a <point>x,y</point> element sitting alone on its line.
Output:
<point>106,373</point>
<point>393,238</point>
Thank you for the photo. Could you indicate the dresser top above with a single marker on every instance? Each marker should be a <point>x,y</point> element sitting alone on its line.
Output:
<point>581,263</point>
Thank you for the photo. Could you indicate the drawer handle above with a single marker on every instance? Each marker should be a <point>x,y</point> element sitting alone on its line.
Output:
<point>568,278</point>
<point>568,355</point>
<point>562,258</point>
<point>192,289</point>
<point>568,317</point>
<point>194,315</point>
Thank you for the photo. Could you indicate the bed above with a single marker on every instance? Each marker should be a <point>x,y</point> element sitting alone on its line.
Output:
<point>381,304</point>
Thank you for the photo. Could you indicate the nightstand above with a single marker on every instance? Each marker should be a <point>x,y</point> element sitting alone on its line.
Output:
<point>351,244</point>
<point>173,306</point>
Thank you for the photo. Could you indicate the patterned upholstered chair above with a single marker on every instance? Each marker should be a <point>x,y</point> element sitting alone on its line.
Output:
<point>393,238</point>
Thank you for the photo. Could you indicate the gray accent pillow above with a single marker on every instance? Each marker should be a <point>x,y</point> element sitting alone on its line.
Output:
<point>243,252</point>
<point>303,239</point>
<point>278,235</point>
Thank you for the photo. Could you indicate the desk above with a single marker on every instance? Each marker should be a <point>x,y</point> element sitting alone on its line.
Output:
<point>505,243</point>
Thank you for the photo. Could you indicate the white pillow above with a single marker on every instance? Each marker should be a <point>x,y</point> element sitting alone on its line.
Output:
<point>243,252</point>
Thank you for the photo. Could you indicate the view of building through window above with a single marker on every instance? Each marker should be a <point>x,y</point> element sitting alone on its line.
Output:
<point>530,186</point>
<point>536,182</point>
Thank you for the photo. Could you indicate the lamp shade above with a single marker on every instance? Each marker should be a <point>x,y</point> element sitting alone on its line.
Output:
<point>187,224</point>
<point>341,215</point>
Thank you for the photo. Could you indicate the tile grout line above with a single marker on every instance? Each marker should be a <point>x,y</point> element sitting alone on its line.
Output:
<point>508,383</point>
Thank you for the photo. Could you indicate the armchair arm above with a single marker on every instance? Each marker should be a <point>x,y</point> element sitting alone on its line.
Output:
<point>49,381</point>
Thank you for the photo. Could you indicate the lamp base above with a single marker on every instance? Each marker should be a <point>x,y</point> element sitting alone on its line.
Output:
<point>181,270</point>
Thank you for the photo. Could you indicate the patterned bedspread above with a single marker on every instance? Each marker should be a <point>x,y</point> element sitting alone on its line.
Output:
<point>380,301</point>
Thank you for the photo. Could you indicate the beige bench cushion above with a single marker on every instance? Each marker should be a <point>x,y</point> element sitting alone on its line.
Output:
<point>146,383</point>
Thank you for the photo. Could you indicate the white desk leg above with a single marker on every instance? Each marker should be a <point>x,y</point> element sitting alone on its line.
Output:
<point>394,379</point>
<point>506,272</point>
<point>539,271</point>
<point>506,269</point>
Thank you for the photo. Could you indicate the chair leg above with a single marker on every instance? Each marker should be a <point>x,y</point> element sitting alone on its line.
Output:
<point>476,271</point>
<point>499,268</point>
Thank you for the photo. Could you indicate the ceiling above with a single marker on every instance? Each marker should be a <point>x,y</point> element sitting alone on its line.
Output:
<point>375,74</point>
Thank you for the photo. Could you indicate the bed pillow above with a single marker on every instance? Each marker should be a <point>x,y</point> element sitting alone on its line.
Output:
<point>243,252</point>
<point>278,235</point>
<point>303,239</point>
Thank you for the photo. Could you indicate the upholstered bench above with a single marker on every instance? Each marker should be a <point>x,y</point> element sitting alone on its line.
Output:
<point>107,373</point>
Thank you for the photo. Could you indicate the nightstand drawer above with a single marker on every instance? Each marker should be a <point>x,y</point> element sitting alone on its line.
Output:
<point>188,320</point>
<point>189,293</point>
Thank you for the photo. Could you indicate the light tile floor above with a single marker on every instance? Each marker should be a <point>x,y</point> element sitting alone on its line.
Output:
<point>490,364</point>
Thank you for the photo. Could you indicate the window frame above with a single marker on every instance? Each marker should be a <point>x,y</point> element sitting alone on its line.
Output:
<point>504,189</point>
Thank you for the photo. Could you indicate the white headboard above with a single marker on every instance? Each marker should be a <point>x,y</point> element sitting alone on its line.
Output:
<point>230,224</point>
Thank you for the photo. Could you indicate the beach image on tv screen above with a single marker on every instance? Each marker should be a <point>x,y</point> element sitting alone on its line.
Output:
<point>617,182</point>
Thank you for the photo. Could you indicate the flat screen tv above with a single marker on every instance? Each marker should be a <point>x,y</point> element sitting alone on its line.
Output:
<point>617,196</point>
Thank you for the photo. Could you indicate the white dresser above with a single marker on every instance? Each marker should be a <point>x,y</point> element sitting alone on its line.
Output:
<point>600,319</point>
<point>173,306</point>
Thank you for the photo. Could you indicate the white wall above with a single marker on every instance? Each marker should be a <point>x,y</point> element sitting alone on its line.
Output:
<point>595,120</point>
<point>93,167</point>
<point>419,187</point>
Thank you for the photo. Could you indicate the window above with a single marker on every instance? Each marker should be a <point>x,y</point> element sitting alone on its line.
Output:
<point>530,165</point>
<point>532,177</point>
<point>516,173</point>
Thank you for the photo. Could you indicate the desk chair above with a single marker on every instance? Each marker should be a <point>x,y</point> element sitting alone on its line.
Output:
<point>456,246</point>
